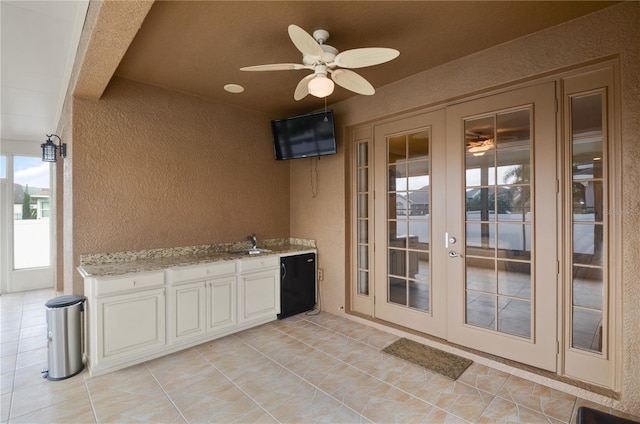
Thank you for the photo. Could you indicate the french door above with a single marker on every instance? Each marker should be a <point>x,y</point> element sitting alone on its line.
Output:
<point>409,285</point>
<point>465,224</point>
<point>501,264</point>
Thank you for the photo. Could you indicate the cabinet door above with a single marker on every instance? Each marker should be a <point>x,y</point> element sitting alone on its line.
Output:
<point>131,323</point>
<point>188,310</point>
<point>260,295</point>
<point>221,311</point>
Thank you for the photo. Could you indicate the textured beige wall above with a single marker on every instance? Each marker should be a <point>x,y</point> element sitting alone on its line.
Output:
<point>154,168</point>
<point>321,217</point>
<point>611,32</point>
<point>65,271</point>
<point>113,25</point>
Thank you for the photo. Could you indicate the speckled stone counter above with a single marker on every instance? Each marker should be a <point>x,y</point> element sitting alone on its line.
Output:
<point>120,263</point>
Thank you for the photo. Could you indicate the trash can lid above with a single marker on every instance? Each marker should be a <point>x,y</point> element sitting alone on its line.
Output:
<point>63,301</point>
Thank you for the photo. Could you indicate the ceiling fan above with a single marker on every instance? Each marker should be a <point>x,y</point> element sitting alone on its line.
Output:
<point>479,144</point>
<point>323,59</point>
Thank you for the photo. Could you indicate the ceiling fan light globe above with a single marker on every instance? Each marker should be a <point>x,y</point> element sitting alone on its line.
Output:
<point>321,86</point>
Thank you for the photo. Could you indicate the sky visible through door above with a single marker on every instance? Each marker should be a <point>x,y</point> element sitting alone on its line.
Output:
<point>31,212</point>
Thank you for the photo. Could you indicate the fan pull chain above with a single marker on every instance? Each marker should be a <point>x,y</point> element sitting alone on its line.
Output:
<point>325,111</point>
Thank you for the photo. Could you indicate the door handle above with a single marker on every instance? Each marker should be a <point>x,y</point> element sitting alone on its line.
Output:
<point>454,254</point>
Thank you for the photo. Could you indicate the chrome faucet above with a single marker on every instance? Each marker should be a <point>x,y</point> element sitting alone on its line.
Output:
<point>254,241</point>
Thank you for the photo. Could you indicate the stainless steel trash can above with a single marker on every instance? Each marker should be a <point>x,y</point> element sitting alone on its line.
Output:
<point>64,336</point>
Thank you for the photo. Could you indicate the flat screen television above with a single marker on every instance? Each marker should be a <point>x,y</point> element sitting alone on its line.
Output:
<point>304,136</point>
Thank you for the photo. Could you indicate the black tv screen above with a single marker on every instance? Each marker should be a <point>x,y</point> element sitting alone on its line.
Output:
<point>304,136</point>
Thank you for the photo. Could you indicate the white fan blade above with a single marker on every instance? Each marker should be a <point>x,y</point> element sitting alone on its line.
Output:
<point>302,90</point>
<point>304,42</point>
<point>369,56</point>
<point>275,67</point>
<point>352,81</point>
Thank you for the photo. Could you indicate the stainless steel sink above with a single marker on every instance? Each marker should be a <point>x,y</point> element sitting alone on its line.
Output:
<point>256,251</point>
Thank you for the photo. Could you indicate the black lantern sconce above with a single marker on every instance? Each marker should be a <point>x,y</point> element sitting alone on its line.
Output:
<point>49,149</point>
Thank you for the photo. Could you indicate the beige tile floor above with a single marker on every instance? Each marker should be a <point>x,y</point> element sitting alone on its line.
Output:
<point>304,369</point>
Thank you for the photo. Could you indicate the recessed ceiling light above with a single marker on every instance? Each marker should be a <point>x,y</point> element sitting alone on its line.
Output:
<point>234,88</point>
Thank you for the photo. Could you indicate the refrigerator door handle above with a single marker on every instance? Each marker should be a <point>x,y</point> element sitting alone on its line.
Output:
<point>283,271</point>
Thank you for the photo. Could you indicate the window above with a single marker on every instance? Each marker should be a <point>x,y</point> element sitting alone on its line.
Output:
<point>362,184</point>
<point>592,221</point>
<point>588,283</point>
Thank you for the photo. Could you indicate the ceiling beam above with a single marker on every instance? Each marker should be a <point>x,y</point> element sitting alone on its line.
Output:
<point>109,30</point>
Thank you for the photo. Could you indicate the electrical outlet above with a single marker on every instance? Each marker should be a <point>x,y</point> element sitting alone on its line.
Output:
<point>320,274</point>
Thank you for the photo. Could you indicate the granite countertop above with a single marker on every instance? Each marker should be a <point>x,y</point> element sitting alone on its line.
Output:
<point>121,263</point>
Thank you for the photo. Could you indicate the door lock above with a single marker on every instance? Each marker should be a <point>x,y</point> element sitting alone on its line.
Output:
<point>448,240</point>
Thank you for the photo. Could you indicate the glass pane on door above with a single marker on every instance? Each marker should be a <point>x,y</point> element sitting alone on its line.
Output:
<point>363,195</point>
<point>31,213</point>
<point>498,217</point>
<point>408,222</point>
<point>588,184</point>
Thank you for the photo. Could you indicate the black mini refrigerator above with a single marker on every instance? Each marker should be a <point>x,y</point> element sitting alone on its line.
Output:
<point>297,284</point>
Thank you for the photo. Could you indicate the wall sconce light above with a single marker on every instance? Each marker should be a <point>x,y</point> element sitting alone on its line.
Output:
<point>49,149</point>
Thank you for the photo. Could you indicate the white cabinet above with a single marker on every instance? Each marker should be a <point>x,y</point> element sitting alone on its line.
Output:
<point>259,289</point>
<point>221,303</point>
<point>126,318</point>
<point>137,317</point>
<point>187,306</point>
<point>132,323</point>
<point>202,299</point>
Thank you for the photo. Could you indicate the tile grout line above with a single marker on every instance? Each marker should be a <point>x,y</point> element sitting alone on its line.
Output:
<point>520,406</point>
<point>496,395</point>
<point>573,410</point>
<point>164,391</point>
<point>500,397</point>
<point>575,401</point>
<point>372,376</point>
<point>372,341</point>
<point>15,365</point>
<point>361,370</point>
<point>233,382</point>
<point>93,408</point>
<point>299,376</point>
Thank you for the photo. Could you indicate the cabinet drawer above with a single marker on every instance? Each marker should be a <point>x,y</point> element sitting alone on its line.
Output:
<point>201,272</point>
<point>129,282</point>
<point>265,262</point>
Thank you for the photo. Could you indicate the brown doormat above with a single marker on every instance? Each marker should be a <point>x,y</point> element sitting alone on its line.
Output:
<point>433,359</point>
